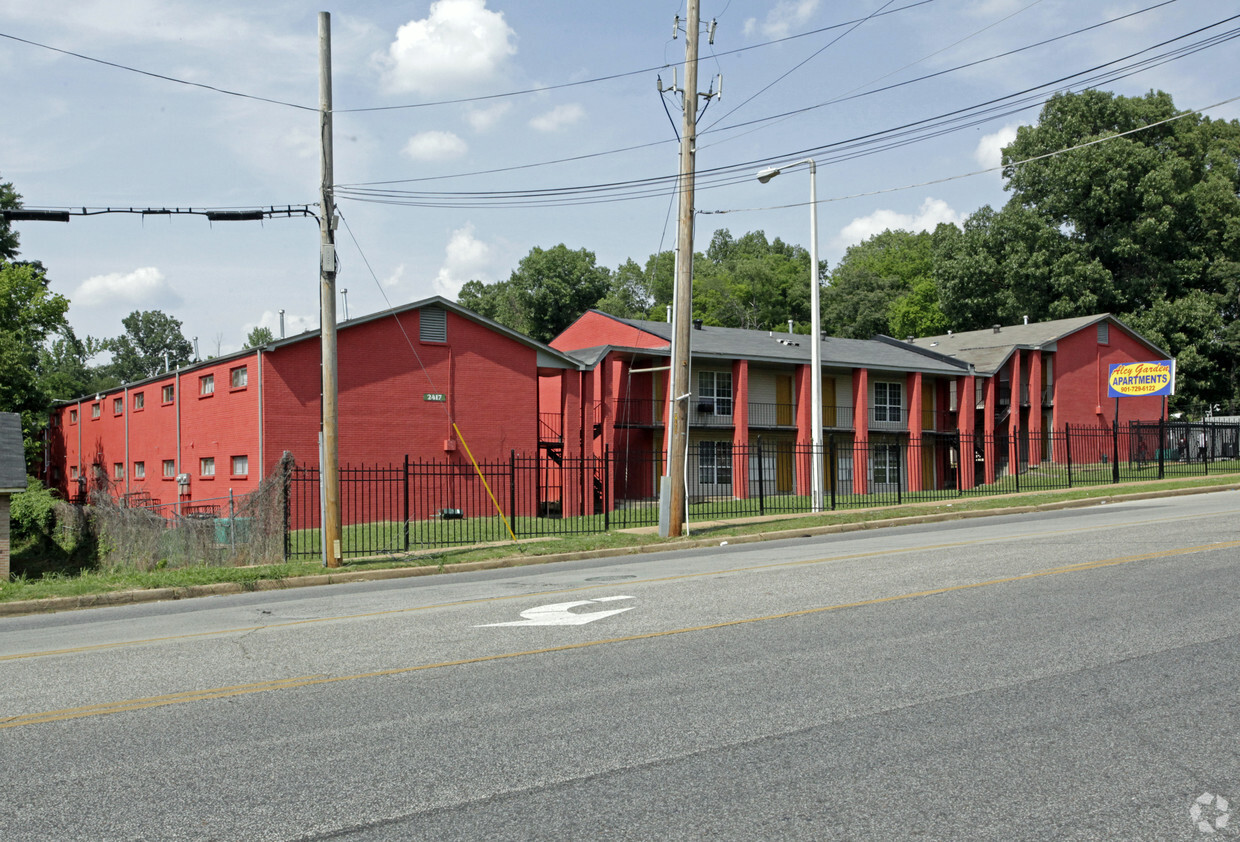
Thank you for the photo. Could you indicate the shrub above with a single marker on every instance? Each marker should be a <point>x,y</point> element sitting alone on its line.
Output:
<point>32,513</point>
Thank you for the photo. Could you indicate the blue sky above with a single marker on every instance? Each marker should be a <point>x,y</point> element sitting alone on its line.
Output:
<point>797,75</point>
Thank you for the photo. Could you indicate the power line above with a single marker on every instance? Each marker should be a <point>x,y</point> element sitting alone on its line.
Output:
<point>848,149</point>
<point>160,76</point>
<point>761,120</point>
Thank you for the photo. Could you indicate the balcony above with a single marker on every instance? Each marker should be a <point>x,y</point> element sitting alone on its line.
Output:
<point>772,415</point>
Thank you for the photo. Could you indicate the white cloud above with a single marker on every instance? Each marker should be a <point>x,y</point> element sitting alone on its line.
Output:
<point>930,214</point>
<point>396,277</point>
<point>558,117</point>
<point>466,257</point>
<point>989,151</point>
<point>783,18</point>
<point>484,119</point>
<point>145,287</point>
<point>435,146</point>
<point>459,44</point>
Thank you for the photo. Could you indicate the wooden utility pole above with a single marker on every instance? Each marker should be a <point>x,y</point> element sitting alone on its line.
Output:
<point>329,470</point>
<point>684,287</point>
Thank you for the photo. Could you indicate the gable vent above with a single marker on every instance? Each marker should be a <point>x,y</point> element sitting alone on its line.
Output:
<point>433,324</point>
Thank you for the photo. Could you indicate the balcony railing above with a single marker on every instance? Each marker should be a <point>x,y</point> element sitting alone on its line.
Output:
<point>772,415</point>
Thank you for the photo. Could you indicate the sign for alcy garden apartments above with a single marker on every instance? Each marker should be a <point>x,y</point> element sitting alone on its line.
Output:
<point>1141,380</point>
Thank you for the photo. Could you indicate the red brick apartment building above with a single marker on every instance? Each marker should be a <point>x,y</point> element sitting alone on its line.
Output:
<point>404,376</point>
<point>749,386</point>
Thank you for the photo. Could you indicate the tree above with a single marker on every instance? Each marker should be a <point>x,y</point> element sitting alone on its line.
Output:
<point>9,200</point>
<point>629,294</point>
<point>884,285</point>
<point>1141,225</point>
<point>548,291</point>
<point>151,343</point>
<point>65,371</point>
<point>750,282</point>
<point>29,313</point>
<point>259,336</point>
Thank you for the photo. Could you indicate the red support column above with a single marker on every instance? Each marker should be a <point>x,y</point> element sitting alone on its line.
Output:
<point>1014,427</point>
<point>740,429</point>
<point>861,430</point>
<point>1035,408</point>
<point>912,469</point>
<point>574,449</point>
<point>988,427</point>
<point>804,398</point>
<point>966,424</point>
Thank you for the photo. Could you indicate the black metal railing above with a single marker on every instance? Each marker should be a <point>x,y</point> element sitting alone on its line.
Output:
<point>422,503</point>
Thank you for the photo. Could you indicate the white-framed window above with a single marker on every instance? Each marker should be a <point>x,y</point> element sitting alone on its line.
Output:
<point>206,466</point>
<point>94,410</point>
<point>139,470</point>
<point>169,393</point>
<point>715,392</point>
<point>240,466</point>
<point>170,468</point>
<point>888,402</point>
<point>239,377</point>
<point>206,384</point>
<point>73,472</point>
<point>885,464</point>
<point>118,405</point>
<point>715,463</point>
<point>844,466</point>
<point>118,470</point>
<point>139,400</point>
<point>73,416</point>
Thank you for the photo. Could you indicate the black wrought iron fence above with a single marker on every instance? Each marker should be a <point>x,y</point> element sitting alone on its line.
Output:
<point>423,503</point>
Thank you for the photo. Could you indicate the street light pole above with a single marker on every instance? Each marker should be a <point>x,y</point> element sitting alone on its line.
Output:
<point>816,472</point>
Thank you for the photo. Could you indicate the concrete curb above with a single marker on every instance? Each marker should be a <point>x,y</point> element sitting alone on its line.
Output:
<point>71,603</point>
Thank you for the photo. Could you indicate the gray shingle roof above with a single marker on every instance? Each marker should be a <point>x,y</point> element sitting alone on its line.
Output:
<point>987,350</point>
<point>12,453</point>
<point>769,346</point>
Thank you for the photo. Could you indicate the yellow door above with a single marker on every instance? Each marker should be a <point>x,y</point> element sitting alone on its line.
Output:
<point>828,401</point>
<point>927,407</point>
<point>783,401</point>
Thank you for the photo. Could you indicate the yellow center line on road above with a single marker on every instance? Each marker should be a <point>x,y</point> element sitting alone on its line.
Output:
<point>628,584</point>
<point>313,680</point>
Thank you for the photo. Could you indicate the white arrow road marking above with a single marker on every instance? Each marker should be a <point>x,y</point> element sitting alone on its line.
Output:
<point>561,614</point>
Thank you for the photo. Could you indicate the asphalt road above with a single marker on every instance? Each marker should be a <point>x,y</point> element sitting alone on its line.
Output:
<point>1061,676</point>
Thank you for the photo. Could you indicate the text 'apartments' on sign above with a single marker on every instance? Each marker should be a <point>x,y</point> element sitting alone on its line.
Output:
<point>1141,380</point>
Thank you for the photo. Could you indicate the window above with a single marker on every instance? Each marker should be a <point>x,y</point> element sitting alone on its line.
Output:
<point>94,410</point>
<point>139,470</point>
<point>885,461</point>
<point>206,466</point>
<point>170,468</point>
<point>433,324</point>
<point>887,402</point>
<point>1104,333</point>
<point>240,466</point>
<point>239,378</point>
<point>715,392</point>
<point>118,406</point>
<point>139,400</point>
<point>54,419</point>
<point>118,470</point>
<point>169,393</point>
<point>73,416</point>
<point>73,472</point>
<point>206,385</point>
<point>715,463</point>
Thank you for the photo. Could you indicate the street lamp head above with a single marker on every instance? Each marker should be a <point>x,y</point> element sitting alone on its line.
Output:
<point>767,174</point>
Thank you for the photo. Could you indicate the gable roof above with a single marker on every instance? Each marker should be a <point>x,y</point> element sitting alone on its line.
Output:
<point>729,343</point>
<point>987,350</point>
<point>12,454</point>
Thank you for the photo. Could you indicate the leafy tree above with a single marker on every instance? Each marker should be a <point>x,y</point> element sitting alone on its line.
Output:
<point>750,282</point>
<point>259,336</point>
<point>548,291</point>
<point>9,200</point>
<point>152,340</point>
<point>29,313</point>
<point>875,279</point>
<point>64,367</point>
<point>629,294</point>
<point>1144,225</point>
